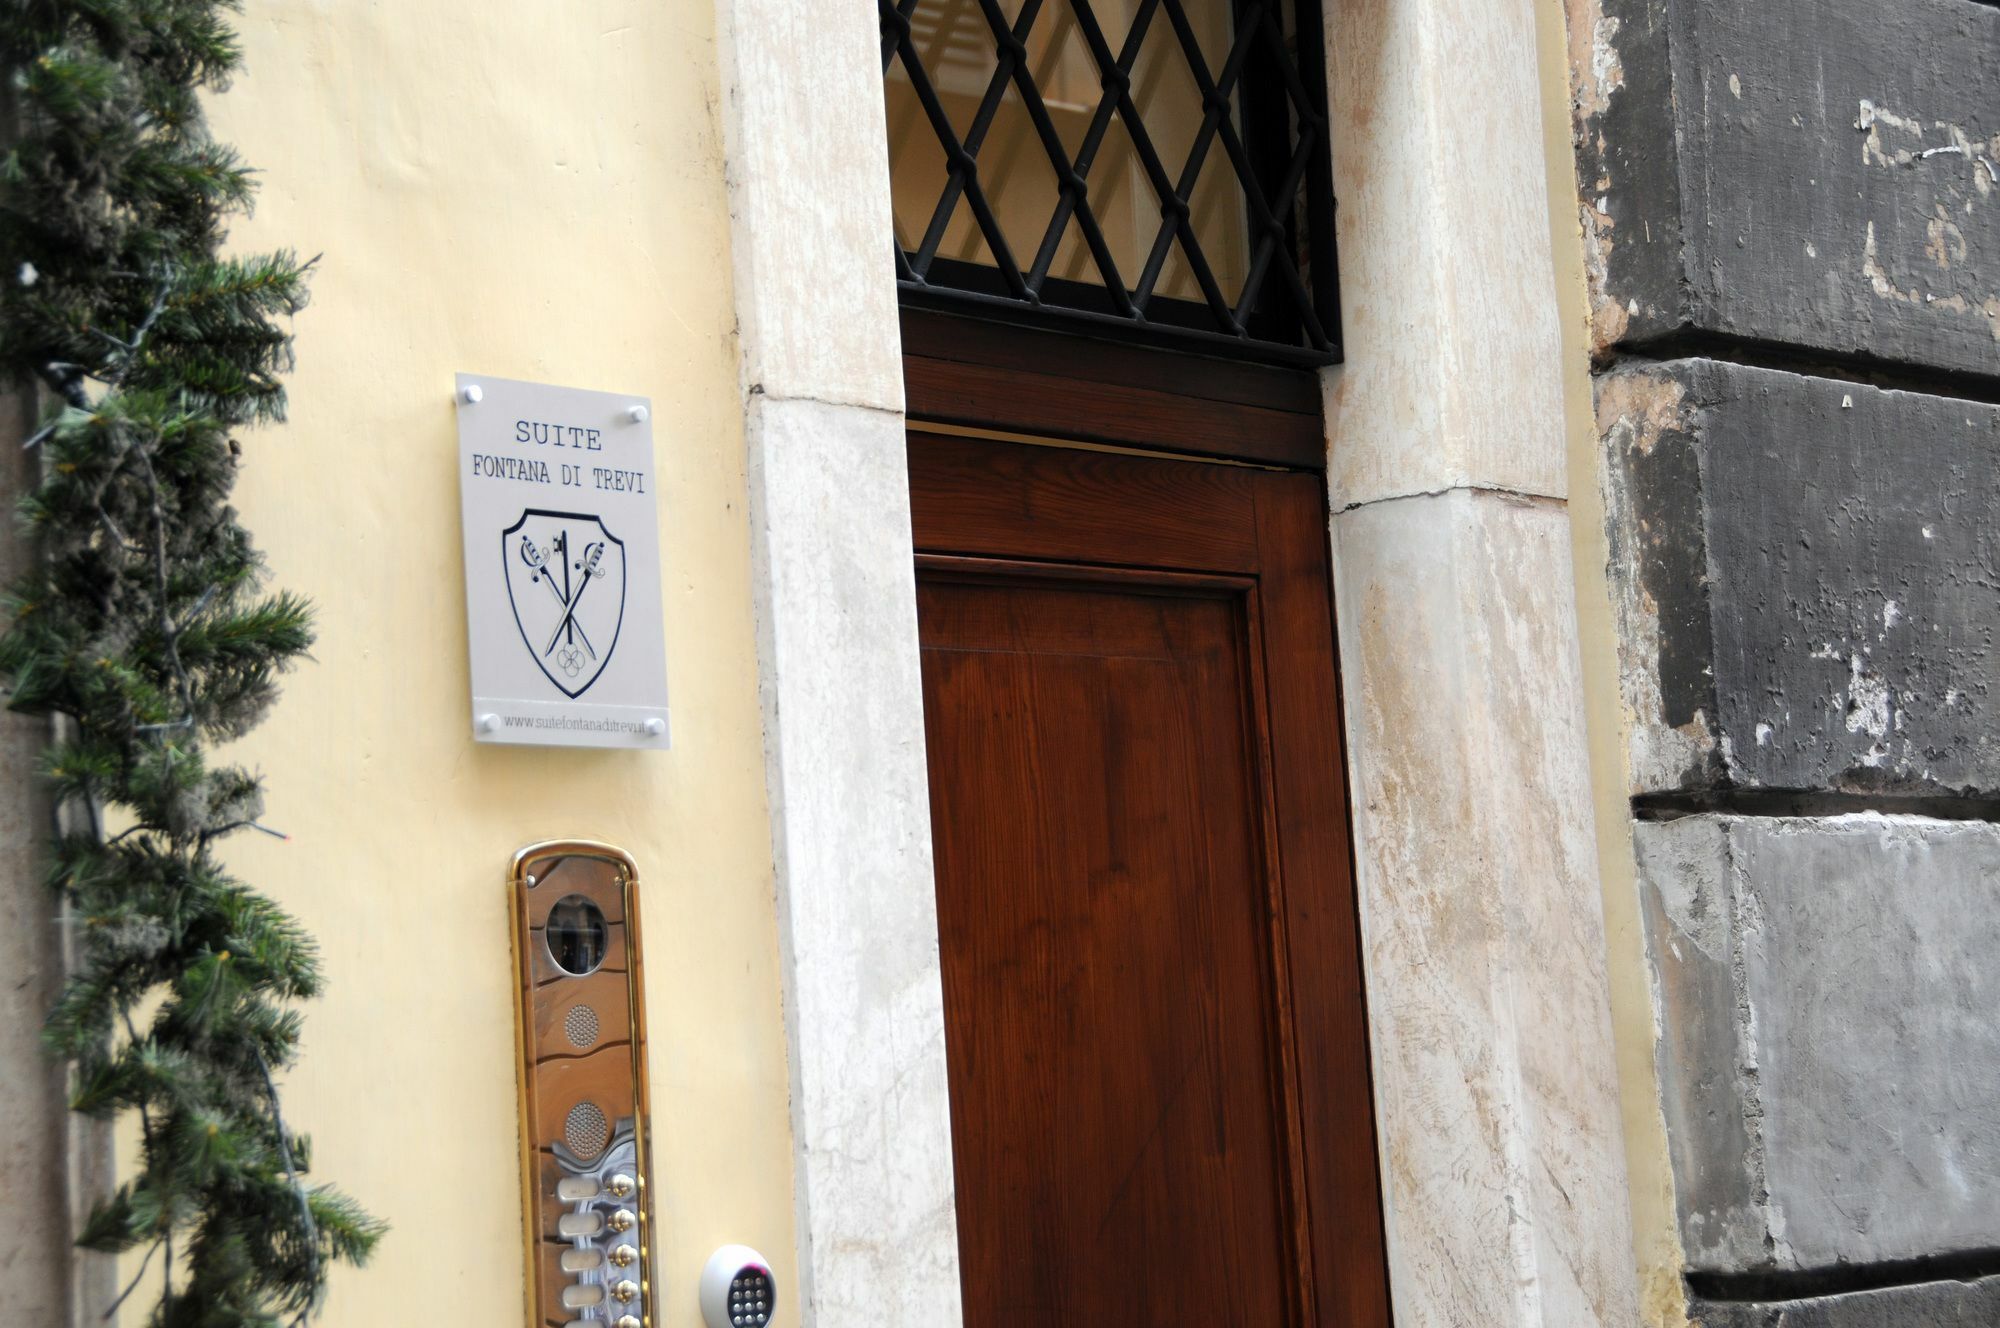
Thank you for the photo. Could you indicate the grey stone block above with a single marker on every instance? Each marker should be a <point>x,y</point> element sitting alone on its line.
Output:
<point>1828,1048</point>
<point>1806,577</point>
<point>1823,175</point>
<point>1925,1305</point>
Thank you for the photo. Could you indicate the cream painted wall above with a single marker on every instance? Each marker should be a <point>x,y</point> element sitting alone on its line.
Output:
<point>536,196</point>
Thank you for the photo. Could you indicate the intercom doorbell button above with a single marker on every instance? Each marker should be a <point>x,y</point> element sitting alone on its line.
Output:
<point>585,1224</point>
<point>623,1256</point>
<point>619,1185</point>
<point>629,1321</point>
<point>582,1295</point>
<point>621,1220</point>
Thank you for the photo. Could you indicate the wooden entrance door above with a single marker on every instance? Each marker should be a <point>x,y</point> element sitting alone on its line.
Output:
<point>1153,1005</point>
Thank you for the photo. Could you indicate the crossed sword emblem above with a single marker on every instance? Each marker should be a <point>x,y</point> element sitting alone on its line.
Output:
<point>593,553</point>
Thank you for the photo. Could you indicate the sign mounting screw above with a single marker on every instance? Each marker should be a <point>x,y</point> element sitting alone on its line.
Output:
<point>471,394</point>
<point>655,727</point>
<point>638,414</point>
<point>489,723</point>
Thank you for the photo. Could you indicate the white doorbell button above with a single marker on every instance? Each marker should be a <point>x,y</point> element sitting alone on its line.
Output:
<point>737,1289</point>
<point>582,1295</point>
<point>573,1225</point>
<point>583,1260</point>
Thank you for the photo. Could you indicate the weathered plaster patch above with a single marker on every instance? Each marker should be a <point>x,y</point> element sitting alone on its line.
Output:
<point>1869,120</point>
<point>1963,176</point>
<point>1669,736</point>
<point>1597,72</point>
<point>1883,285</point>
<point>1946,242</point>
<point>1608,318</point>
<point>1597,75</point>
<point>1867,699</point>
<point>1635,409</point>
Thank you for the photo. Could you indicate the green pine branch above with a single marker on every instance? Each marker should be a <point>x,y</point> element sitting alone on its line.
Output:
<point>146,624</point>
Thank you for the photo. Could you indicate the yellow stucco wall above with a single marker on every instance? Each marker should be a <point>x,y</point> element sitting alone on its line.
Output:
<point>1649,1176</point>
<point>532,191</point>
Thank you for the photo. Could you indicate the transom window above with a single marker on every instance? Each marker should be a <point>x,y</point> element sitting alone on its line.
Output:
<point>1155,168</point>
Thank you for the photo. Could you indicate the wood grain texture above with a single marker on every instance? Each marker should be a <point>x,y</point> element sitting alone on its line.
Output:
<point>963,340</point>
<point>1155,1034</point>
<point>966,372</point>
<point>999,499</point>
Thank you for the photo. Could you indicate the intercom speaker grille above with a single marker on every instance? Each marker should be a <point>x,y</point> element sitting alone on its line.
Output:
<point>586,1131</point>
<point>580,1026</point>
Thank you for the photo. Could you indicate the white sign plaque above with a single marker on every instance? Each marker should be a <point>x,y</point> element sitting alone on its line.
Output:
<point>562,565</point>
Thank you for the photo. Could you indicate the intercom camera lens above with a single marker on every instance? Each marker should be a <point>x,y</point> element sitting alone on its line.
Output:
<point>576,935</point>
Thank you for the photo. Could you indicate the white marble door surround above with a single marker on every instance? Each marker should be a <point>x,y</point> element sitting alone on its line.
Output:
<point>1495,1084</point>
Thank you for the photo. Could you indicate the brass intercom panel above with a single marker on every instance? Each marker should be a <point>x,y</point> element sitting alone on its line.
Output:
<point>582,1031</point>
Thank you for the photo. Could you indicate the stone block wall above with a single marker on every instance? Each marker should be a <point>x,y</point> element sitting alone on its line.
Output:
<point>1791,215</point>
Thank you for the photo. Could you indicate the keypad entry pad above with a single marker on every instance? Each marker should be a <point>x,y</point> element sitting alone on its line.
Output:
<point>583,1100</point>
<point>750,1298</point>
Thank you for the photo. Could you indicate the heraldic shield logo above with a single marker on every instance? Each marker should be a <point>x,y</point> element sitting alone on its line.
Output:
<point>566,578</point>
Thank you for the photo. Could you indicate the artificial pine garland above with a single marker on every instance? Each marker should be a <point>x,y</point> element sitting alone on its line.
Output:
<point>146,627</point>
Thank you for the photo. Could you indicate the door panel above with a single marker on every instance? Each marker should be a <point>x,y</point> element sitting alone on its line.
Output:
<point>1105,1000</point>
<point>1152,994</point>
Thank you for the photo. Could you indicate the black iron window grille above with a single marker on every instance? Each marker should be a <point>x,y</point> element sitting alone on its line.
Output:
<point>1157,169</point>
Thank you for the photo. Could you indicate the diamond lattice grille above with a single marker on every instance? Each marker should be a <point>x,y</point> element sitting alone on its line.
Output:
<point>1158,165</point>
